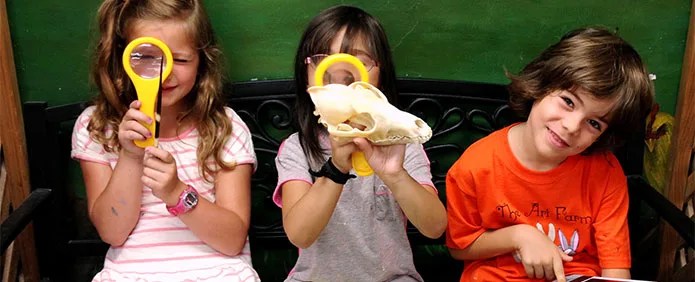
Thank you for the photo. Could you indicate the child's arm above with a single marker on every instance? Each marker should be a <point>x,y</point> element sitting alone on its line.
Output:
<point>540,256</point>
<point>222,225</point>
<point>469,239</point>
<point>490,244</point>
<point>616,273</point>
<point>307,208</point>
<point>419,202</point>
<point>114,196</point>
<point>611,232</point>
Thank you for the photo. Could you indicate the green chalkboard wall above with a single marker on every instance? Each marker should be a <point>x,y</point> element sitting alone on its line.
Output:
<point>445,39</point>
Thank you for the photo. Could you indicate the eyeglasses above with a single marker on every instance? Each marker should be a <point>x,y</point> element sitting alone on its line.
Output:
<point>315,60</point>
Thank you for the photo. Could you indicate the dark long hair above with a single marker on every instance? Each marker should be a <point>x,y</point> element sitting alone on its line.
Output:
<point>595,60</point>
<point>317,39</point>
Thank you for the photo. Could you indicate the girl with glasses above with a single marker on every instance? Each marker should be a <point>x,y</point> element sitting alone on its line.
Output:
<point>351,229</point>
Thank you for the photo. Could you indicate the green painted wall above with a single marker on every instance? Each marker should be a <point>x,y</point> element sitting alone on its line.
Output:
<point>446,39</point>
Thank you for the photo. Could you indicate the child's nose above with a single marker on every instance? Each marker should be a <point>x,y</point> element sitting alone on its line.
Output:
<point>572,123</point>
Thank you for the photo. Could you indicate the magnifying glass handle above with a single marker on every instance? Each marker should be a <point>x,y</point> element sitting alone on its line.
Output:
<point>359,162</point>
<point>148,84</point>
<point>147,106</point>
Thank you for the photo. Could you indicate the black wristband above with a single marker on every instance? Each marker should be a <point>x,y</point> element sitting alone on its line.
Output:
<point>333,173</point>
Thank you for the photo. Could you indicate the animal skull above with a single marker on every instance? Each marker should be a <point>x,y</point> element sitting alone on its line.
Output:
<point>361,110</point>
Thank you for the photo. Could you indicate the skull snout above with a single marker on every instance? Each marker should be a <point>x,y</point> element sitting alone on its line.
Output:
<point>422,128</point>
<point>410,130</point>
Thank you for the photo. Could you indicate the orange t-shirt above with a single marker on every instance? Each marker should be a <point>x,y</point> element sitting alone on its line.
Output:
<point>581,205</point>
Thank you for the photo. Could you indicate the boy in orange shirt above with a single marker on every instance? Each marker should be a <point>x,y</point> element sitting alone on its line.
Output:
<point>546,197</point>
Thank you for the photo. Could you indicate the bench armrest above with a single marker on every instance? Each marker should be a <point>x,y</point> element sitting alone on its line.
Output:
<point>21,216</point>
<point>664,208</point>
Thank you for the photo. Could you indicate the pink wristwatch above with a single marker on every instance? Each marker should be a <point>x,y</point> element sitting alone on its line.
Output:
<point>187,201</point>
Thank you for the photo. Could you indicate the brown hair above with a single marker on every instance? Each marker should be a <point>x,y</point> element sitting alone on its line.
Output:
<point>599,62</point>
<point>116,92</point>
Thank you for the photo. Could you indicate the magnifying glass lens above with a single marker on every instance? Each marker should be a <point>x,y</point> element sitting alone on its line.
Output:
<point>145,59</point>
<point>341,73</point>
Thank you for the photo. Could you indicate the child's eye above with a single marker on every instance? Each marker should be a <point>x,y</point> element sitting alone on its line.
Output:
<point>568,101</point>
<point>595,124</point>
<point>181,60</point>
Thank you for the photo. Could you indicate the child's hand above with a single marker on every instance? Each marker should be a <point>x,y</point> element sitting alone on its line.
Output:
<point>131,128</point>
<point>341,148</point>
<point>159,173</point>
<point>384,160</point>
<point>540,256</point>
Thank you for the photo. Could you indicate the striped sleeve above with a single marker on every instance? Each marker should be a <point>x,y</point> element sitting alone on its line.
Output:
<point>239,147</point>
<point>83,146</point>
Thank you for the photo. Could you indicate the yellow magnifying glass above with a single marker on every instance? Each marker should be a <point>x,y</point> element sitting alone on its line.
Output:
<point>359,161</point>
<point>148,62</point>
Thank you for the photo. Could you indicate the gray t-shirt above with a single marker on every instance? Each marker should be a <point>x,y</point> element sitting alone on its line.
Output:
<point>365,239</point>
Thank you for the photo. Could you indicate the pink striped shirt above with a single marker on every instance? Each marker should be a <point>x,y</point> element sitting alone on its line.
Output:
<point>161,247</point>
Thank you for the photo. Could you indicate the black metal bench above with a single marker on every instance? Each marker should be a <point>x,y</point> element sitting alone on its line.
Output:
<point>459,113</point>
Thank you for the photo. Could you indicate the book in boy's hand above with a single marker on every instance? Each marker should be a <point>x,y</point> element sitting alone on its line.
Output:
<point>580,278</point>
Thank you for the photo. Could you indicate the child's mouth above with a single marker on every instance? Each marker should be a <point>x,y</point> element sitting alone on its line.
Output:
<point>556,140</point>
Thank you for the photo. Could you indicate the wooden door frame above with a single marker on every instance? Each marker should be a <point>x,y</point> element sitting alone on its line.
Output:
<point>682,146</point>
<point>14,146</point>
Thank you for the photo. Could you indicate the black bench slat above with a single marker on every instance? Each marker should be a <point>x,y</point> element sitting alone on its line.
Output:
<point>21,216</point>
<point>459,113</point>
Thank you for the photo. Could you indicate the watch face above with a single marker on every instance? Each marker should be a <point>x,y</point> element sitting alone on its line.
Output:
<point>190,200</point>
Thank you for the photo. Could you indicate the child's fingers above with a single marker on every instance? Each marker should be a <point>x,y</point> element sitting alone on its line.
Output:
<point>549,271</point>
<point>529,271</point>
<point>559,271</point>
<point>148,181</point>
<point>137,128</point>
<point>132,135</point>
<point>538,271</point>
<point>135,104</point>
<point>340,141</point>
<point>363,145</point>
<point>157,165</point>
<point>154,173</point>
<point>160,154</point>
<point>565,257</point>
<point>342,145</point>
<point>137,115</point>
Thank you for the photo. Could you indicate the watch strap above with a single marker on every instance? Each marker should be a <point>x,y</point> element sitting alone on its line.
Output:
<point>182,206</point>
<point>331,172</point>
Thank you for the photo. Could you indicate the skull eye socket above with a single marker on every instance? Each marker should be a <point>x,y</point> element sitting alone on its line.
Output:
<point>362,121</point>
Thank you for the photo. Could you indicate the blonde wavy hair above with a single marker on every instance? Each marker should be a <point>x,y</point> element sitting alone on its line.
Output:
<point>116,92</point>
